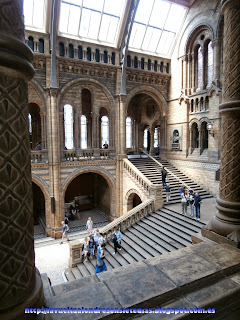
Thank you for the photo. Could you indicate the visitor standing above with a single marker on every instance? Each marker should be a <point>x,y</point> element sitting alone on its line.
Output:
<point>168,192</point>
<point>85,248</point>
<point>91,247</point>
<point>64,232</point>
<point>89,226</point>
<point>191,202</point>
<point>197,203</point>
<point>184,202</point>
<point>116,239</point>
<point>101,266</point>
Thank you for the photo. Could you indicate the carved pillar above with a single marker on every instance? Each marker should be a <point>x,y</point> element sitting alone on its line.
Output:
<point>184,73</point>
<point>189,74</point>
<point>216,61</point>
<point>227,220</point>
<point>121,118</point>
<point>152,149</point>
<point>20,282</point>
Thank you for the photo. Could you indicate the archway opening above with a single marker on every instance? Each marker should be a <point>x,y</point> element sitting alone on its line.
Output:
<point>39,213</point>
<point>144,113</point>
<point>34,126</point>
<point>195,136</point>
<point>133,201</point>
<point>204,132</point>
<point>88,195</point>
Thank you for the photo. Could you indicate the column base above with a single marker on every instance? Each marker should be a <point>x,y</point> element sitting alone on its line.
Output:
<point>35,300</point>
<point>218,238</point>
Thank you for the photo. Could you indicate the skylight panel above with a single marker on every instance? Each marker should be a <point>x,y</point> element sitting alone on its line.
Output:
<point>156,25</point>
<point>144,11</point>
<point>113,7</point>
<point>63,27</point>
<point>159,13</point>
<point>93,4</point>
<point>137,35</point>
<point>93,20</point>
<point>73,21</point>
<point>34,13</point>
<point>176,14</point>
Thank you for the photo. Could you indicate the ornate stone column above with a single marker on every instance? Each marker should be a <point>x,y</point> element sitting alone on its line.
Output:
<point>20,282</point>
<point>216,61</point>
<point>226,222</point>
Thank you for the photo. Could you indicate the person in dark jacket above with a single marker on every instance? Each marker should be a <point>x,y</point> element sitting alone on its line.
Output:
<point>168,192</point>
<point>197,203</point>
<point>164,175</point>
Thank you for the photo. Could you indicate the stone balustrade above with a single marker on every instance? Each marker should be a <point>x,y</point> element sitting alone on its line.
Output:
<point>122,223</point>
<point>87,154</point>
<point>39,156</point>
<point>139,178</point>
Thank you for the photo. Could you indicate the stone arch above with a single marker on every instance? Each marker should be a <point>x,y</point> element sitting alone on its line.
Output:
<point>102,172</point>
<point>132,191</point>
<point>194,120</point>
<point>86,82</point>
<point>42,185</point>
<point>38,95</point>
<point>152,92</point>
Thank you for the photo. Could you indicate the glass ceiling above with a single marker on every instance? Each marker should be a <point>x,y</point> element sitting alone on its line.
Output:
<point>97,20</point>
<point>155,27</point>
<point>34,14</point>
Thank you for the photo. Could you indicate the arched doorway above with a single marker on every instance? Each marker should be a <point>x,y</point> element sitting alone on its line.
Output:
<point>90,195</point>
<point>146,115</point>
<point>133,201</point>
<point>195,136</point>
<point>39,213</point>
<point>204,136</point>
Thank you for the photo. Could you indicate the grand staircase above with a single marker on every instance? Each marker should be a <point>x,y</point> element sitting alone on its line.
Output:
<point>160,232</point>
<point>152,171</point>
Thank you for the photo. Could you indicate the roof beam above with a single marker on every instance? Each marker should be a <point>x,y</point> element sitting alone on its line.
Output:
<point>125,41</point>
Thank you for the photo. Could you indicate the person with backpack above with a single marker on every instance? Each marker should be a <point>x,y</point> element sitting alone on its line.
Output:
<point>64,231</point>
<point>116,239</point>
<point>168,192</point>
<point>164,175</point>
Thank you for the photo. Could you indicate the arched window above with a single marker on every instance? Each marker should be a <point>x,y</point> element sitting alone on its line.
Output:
<point>105,56</point>
<point>149,64</point>
<point>70,51</point>
<point>83,132</point>
<point>128,61</point>
<point>61,49</point>
<point>142,63</point>
<point>155,65</point>
<point>201,104</point>
<point>156,138</point>
<point>30,129</point>
<point>196,107</point>
<point>113,58</point>
<point>41,46</point>
<point>199,68</point>
<point>89,54</point>
<point>129,132</point>
<point>192,106</point>
<point>97,55</point>
<point>105,130</point>
<point>135,62</point>
<point>210,64</point>
<point>80,52</point>
<point>145,138</point>
<point>31,43</point>
<point>167,68</point>
<point>161,66</point>
<point>68,126</point>
<point>206,103</point>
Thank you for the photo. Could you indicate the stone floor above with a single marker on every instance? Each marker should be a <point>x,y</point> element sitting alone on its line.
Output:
<point>53,259</point>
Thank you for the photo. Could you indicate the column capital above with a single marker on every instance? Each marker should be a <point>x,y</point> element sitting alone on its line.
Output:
<point>229,3</point>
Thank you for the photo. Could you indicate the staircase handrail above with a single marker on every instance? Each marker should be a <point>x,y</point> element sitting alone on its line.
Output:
<point>168,171</point>
<point>123,222</point>
<point>137,174</point>
<point>128,219</point>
